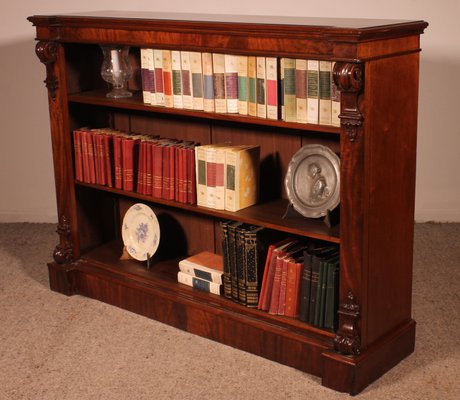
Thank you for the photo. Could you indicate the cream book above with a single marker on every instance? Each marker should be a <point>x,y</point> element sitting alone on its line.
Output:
<point>159,89</point>
<point>187,95</point>
<point>290,107</point>
<point>218,67</point>
<point>176,79</point>
<point>200,284</point>
<point>197,80</point>
<point>151,69</point>
<point>261,88</point>
<point>242,177</point>
<point>167,78</point>
<point>335,100</point>
<point>312,91</point>
<point>325,104</point>
<point>208,85</point>
<point>243,85</point>
<point>204,265</point>
<point>272,87</point>
<point>231,83</point>
<point>301,90</point>
<point>252,77</point>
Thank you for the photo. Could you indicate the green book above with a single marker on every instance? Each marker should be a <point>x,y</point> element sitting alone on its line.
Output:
<point>332,296</point>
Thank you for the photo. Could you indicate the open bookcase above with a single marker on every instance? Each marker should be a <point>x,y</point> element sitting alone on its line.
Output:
<point>376,70</point>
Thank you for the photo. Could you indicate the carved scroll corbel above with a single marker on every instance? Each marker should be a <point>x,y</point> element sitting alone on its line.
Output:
<point>63,253</point>
<point>348,339</point>
<point>349,79</point>
<point>47,53</point>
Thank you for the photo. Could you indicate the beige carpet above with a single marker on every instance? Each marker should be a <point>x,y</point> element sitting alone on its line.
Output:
<point>57,347</point>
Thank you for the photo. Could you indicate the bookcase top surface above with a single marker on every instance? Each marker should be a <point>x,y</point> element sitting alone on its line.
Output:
<point>362,28</point>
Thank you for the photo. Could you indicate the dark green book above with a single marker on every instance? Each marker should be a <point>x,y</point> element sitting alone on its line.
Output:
<point>326,265</point>
<point>305,285</point>
<point>240,263</point>
<point>231,231</point>
<point>227,279</point>
<point>332,297</point>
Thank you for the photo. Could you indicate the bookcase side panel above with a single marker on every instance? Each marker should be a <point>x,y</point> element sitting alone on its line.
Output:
<point>392,98</point>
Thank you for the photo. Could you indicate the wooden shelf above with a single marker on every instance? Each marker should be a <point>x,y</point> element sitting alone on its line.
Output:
<point>98,98</point>
<point>268,215</point>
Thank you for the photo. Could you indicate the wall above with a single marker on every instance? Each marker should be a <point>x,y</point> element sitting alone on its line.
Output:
<point>26,177</point>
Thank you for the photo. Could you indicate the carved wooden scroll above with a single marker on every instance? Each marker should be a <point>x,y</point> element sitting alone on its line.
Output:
<point>47,53</point>
<point>349,79</point>
<point>63,252</point>
<point>348,339</point>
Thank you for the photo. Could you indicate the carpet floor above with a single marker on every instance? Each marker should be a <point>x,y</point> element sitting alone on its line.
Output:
<point>58,347</point>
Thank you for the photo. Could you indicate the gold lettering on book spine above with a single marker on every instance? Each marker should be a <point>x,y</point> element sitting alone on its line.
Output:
<point>349,79</point>
<point>47,53</point>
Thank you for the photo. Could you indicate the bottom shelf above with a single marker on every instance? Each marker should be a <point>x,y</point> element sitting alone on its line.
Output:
<point>155,293</point>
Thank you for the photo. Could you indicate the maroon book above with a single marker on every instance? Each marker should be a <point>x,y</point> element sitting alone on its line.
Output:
<point>148,169</point>
<point>129,154</point>
<point>157,170</point>
<point>108,156</point>
<point>118,163</point>
<point>141,169</point>
<point>78,156</point>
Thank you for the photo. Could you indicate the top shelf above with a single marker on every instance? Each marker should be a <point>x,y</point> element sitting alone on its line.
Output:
<point>98,98</point>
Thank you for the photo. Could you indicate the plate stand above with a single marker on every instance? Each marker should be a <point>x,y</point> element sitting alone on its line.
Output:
<point>126,256</point>
<point>330,219</point>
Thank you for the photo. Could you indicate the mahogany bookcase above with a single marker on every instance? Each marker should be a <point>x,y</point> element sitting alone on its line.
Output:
<point>376,70</point>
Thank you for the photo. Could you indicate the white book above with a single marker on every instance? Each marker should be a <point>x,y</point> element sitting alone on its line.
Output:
<point>204,265</point>
<point>261,89</point>
<point>151,68</point>
<point>301,90</point>
<point>325,104</point>
<point>218,70</point>
<point>243,85</point>
<point>198,283</point>
<point>208,86</point>
<point>335,99</point>
<point>176,79</point>
<point>187,94</point>
<point>312,91</point>
<point>197,80</point>
<point>167,78</point>
<point>231,83</point>
<point>272,87</point>
<point>159,89</point>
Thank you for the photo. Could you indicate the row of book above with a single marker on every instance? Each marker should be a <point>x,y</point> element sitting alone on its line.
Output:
<point>257,269</point>
<point>150,165</point>
<point>219,176</point>
<point>294,90</point>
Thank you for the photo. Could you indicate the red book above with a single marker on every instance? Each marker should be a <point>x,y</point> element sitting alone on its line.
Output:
<point>87,138</point>
<point>275,297</point>
<point>294,275</point>
<point>178,176</point>
<point>183,168</point>
<point>99,158</point>
<point>282,295</point>
<point>157,170</point>
<point>148,169</point>
<point>166,172</point>
<point>107,141</point>
<point>78,156</point>
<point>172,171</point>
<point>118,164</point>
<point>129,154</point>
<point>141,169</point>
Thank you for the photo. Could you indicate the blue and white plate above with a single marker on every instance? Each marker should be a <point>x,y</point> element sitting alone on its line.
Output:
<point>140,232</point>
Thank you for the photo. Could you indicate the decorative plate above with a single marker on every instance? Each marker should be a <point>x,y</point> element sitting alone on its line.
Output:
<point>140,232</point>
<point>313,180</point>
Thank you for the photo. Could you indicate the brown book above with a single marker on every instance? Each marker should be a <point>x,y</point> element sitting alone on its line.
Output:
<point>294,274</point>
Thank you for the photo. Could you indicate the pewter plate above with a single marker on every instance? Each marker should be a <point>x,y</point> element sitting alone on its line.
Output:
<point>313,180</point>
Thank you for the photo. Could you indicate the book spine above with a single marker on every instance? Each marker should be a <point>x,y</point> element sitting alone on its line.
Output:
<point>230,180</point>
<point>227,280</point>
<point>264,288</point>
<point>141,170</point>
<point>172,171</point>
<point>247,177</point>
<point>252,78</point>
<point>325,105</point>
<point>78,155</point>
<point>218,65</point>
<point>208,85</point>
<point>231,83</point>
<point>290,107</point>
<point>159,87</point>
<point>176,79</point>
<point>293,289</point>
<point>145,77</point>
<point>197,80</point>
<point>241,265</point>
<point>166,180</point>
<point>167,79</point>
<point>210,177</point>
<point>118,163</point>
<point>312,91</point>
<point>243,85</point>
<point>305,286</point>
<point>108,157</point>
<point>151,74</point>
<point>196,271</point>
<point>157,170</point>
<point>200,157</point>
<point>283,284</point>
<point>191,175</point>
<point>252,269</point>
<point>219,195</point>
<point>275,296</point>
<point>261,88</point>
<point>281,90</point>
<point>187,95</point>
<point>301,90</point>
<point>272,87</point>
<point>315,264</point>
<point>148,168</point>
<point>129,148</point>
<point>335,101</point>
<point>198,283</point>
<point>233,259</point>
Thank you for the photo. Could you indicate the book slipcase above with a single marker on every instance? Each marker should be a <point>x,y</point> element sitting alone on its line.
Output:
<point>374,328</point>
